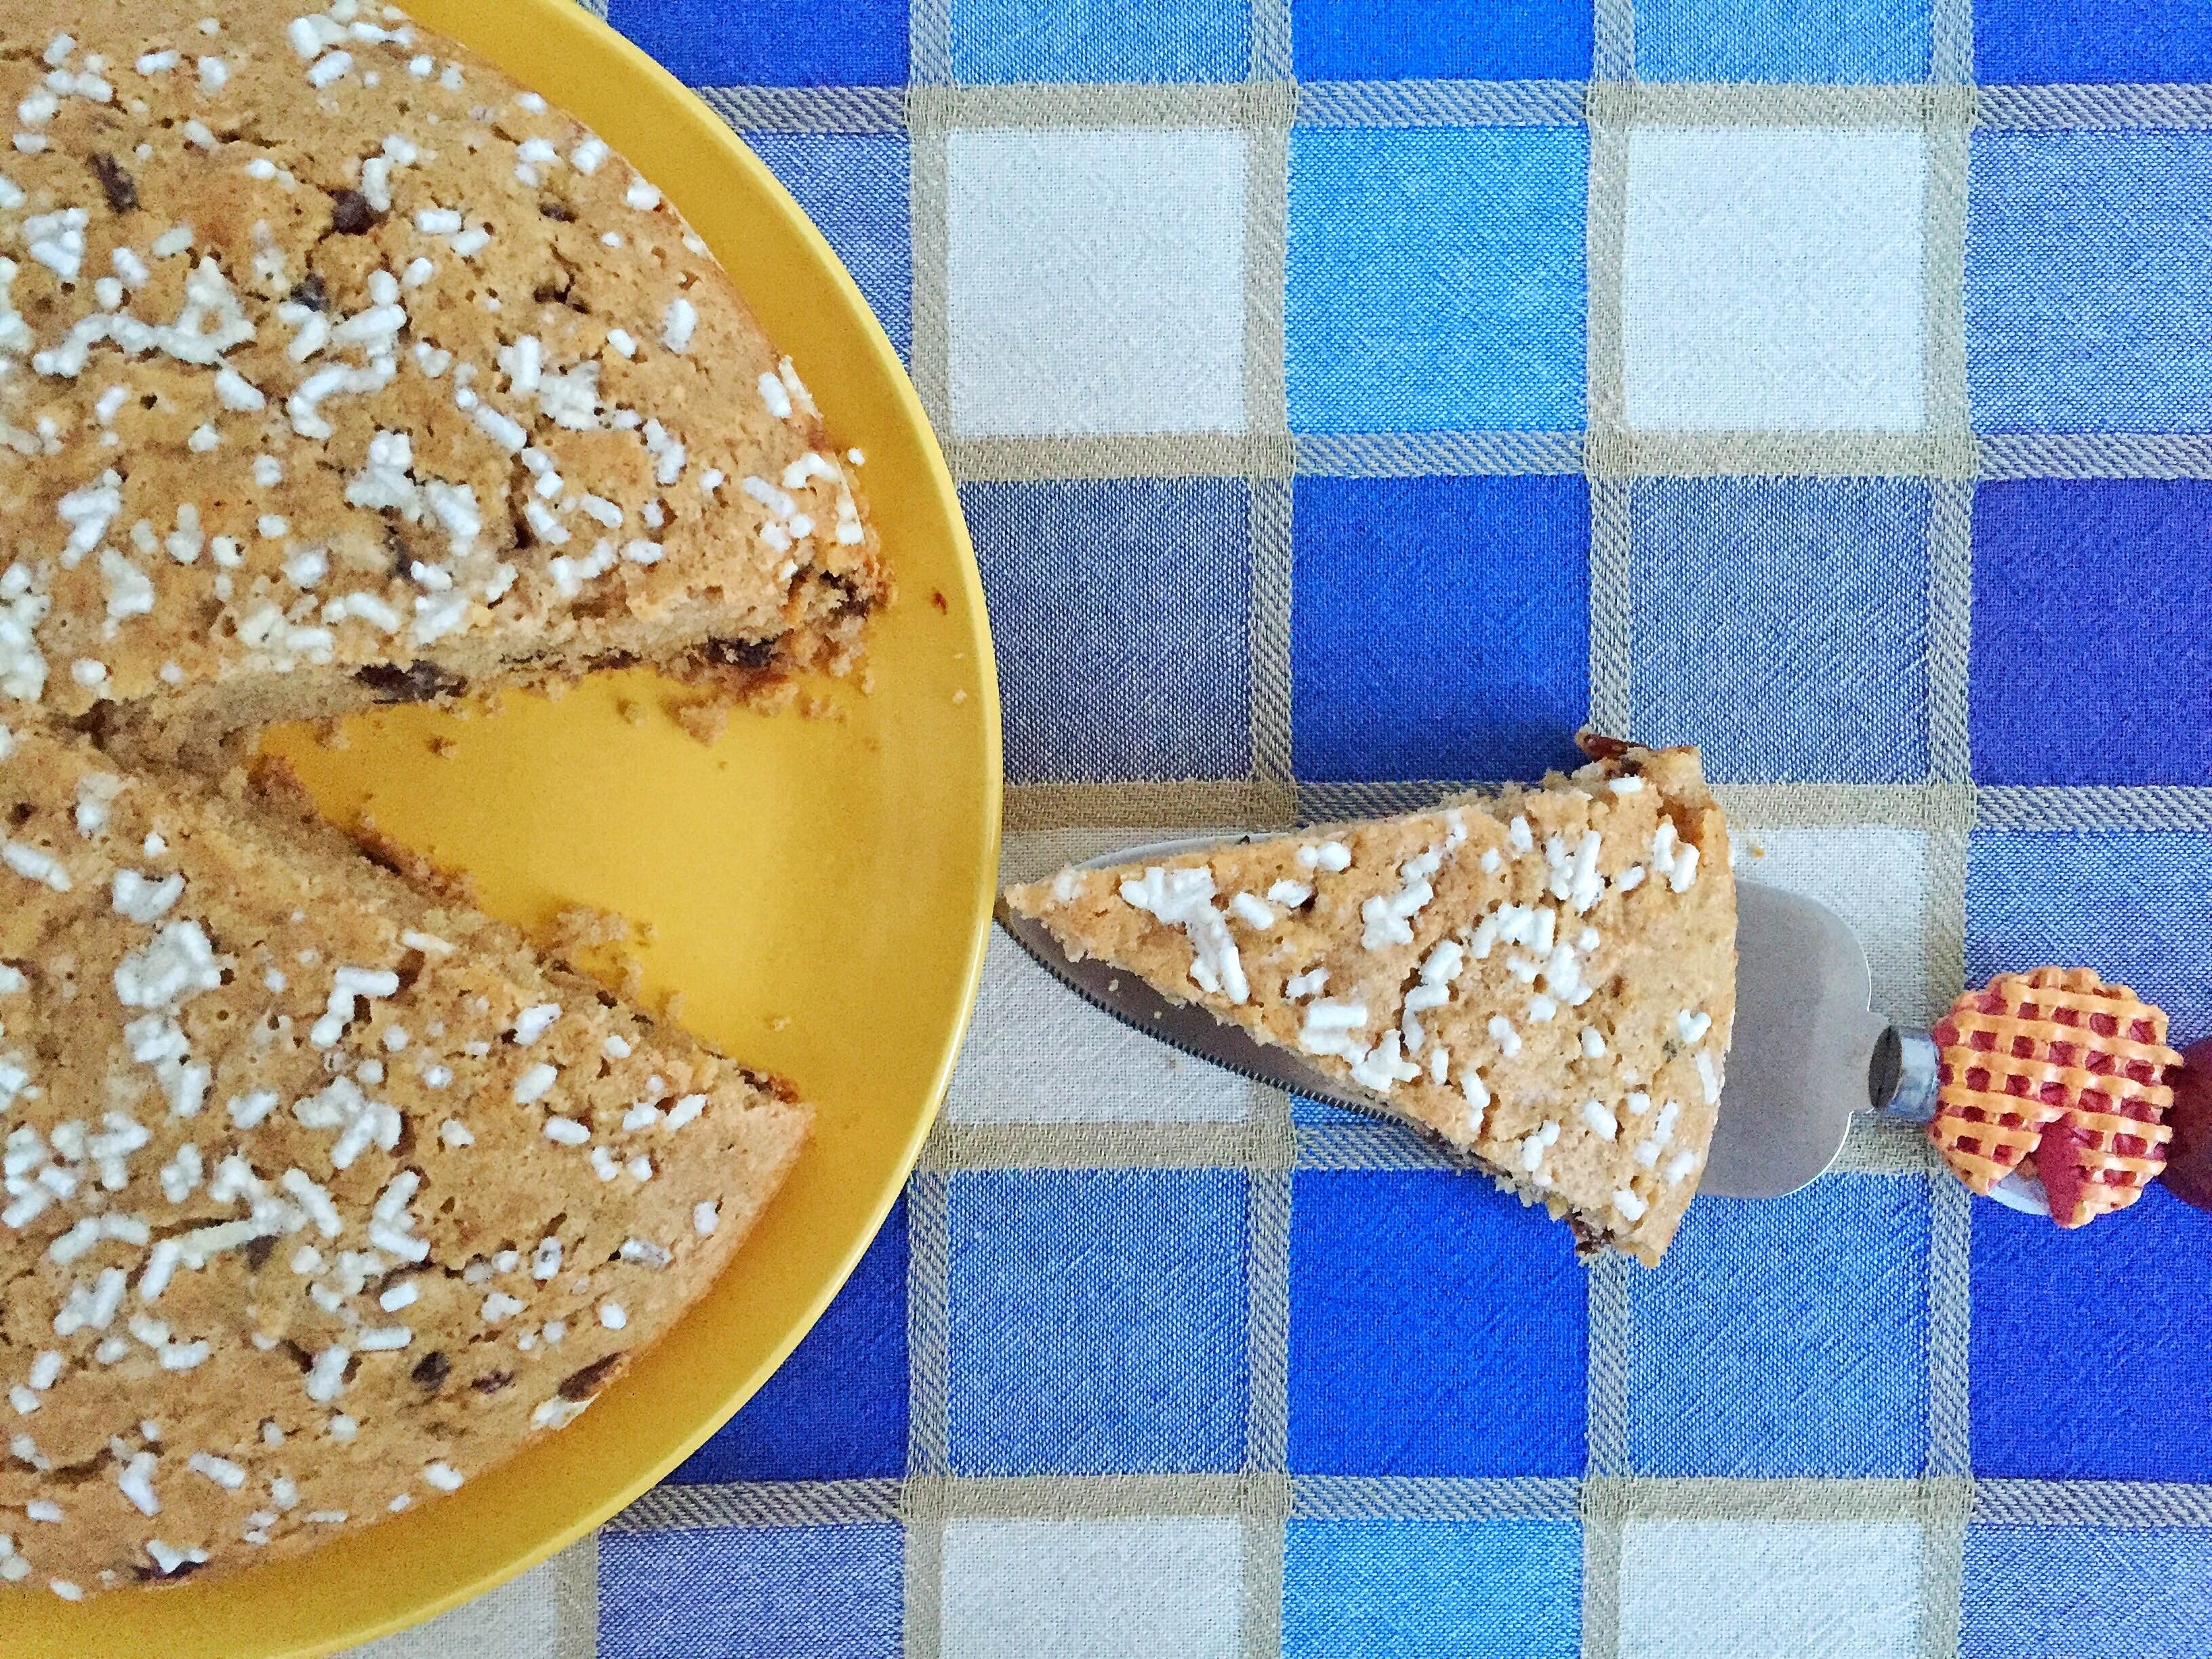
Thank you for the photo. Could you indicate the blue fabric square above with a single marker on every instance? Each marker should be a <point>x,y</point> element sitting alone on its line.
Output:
<point>722,43</point>
<point>1439,627</point>
<point>837,1409</point>
<point>1098,41</point>
<point>2089,282</point>
<point>1121,611</point>
<point>1098,1320</point>
<point>2138,907</point>
<point>1752,1354</point>
<point>2128,1592</point>
<point>1408,1589</point>
<point>2087,1358</point>
<point>1496,40</point>
<point>1436,278</point>
<point>1781,624</point>
<point>1438,1327</point>
<point>2071,40</point>
<point>828,1592</point>
<point>1808,40</point>
<point>854,186</point>
<point>2131,704</point>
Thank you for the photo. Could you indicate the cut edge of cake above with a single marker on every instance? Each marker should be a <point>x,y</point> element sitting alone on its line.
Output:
<point>1540,979</point>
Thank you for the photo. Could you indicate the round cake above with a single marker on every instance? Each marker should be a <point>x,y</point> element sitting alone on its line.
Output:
<point>336,369</point>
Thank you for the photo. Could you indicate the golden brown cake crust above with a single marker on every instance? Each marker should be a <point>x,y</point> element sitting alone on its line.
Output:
<point>321,1192</point>
<point>1545,978</point>
<point>336,367</point>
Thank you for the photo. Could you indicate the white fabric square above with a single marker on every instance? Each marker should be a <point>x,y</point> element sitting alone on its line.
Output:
<point>520,1619</point>
<point>1096,282</point>
<point>1771,1589</point>
<point>1772,280</point>
<point>1092,1589</point>
<point>1875,878</point>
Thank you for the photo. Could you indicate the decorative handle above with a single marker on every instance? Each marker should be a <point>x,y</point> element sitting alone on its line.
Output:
<point>2057,1076</point>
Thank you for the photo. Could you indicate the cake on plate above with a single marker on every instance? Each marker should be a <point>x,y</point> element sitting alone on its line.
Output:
<point>336,369</point>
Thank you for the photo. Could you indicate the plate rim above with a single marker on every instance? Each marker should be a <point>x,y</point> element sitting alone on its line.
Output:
<point>591,36</point>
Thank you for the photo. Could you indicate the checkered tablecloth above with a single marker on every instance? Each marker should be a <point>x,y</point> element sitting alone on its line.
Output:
<point>1351,396</point>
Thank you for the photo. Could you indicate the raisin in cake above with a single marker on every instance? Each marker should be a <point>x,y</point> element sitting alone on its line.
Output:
<point>322,1194</point>
<point>336,369</point>
<point>1544,979</point>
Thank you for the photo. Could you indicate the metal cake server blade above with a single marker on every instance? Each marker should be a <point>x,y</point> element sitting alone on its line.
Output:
<point>1807,1054</point>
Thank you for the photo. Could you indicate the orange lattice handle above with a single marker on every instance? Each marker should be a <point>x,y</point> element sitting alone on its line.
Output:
<point>2057,1075</point>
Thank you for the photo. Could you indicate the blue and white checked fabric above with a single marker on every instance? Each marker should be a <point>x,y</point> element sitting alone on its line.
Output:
<point>1350,397</point>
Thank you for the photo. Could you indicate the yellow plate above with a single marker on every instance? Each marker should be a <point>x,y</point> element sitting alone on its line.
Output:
<point>833,873</point>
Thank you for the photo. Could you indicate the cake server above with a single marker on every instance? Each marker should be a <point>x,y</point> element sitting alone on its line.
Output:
<point>1809,1051</point>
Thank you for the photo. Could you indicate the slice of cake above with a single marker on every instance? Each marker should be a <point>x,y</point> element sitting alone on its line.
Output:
<point>1543,978</point>
<point>321,1196</point>
<point>336,369</point>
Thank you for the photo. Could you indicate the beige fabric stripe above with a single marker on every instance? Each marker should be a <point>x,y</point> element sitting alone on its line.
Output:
<point>929,42</point>
<point>1243,104</point>
<point>1203,803</point>
<point>1268,1348</point>
<point>1795,454</point>
<point>2147,105</point>
<point>2012,807</point>
<point>923,1612</point>
<point>1951,42</point>
<point>928,1324</point>
<point>1461,103</point>
<point>1604,1506</point>
<point>1612,609</point>
<point>1089,1145</point>
<point>1125,455</point>
<point>1950,623</point>
<point>1734,103</point>
<point>929,1432</point>
<point>1805,1498</point>
<point>2097,455</point>
<point>760,1503</point>
<point>1439,103</point>
<point>1954,455</point>
<point>2092,1503</point>
<point>1268,624</point>
<point>1950,1490</point>
<point>597,8</point>
<point>1613,40</point>
<point>1435,454</point>
<point>1949,808</point>
<point>576,1599</point>
<point>1609,106</point>
<point>1610,1336</point>
<point>1267,411</point>
<point>826,1503</point>
<point>1270,54</point>
<point>1876,1146</point>
<point>1807,806</point>
<point>929,359</point>
<point>809,109</point>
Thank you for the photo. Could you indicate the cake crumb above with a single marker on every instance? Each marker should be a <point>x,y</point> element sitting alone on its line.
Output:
<point>332,734</point>
<point>584,927</point>
<point>706,718</point>
<point>673,1007</point>
<point>632,711</point>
